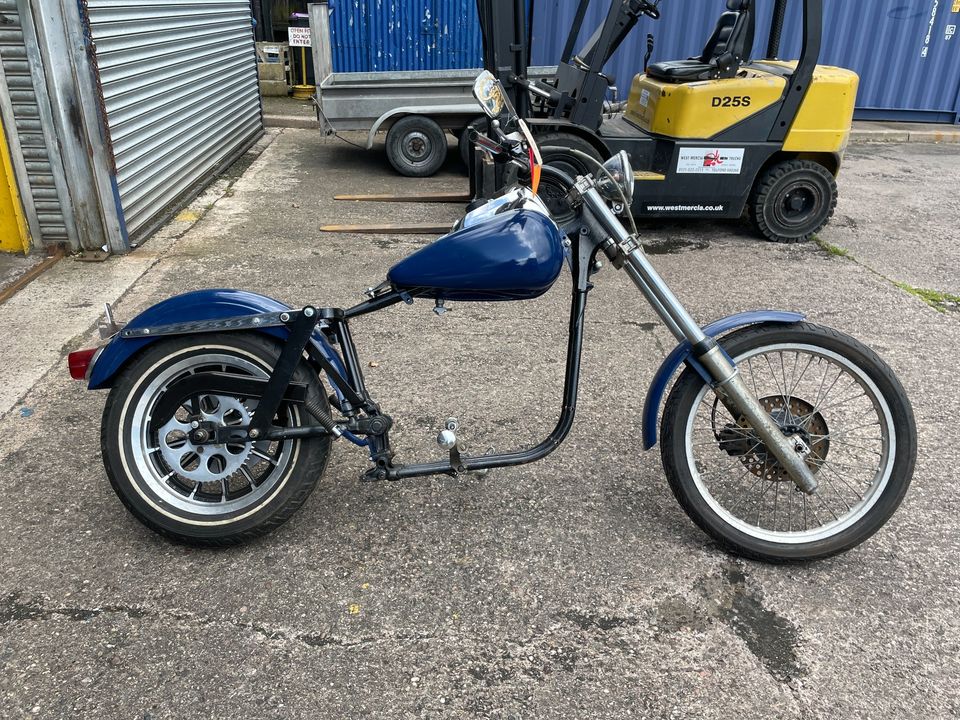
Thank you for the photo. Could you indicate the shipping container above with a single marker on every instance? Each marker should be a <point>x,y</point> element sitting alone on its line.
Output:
<point>907,52</point>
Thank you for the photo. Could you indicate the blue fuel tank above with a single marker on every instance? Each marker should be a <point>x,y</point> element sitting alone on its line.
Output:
<point>516,255</point>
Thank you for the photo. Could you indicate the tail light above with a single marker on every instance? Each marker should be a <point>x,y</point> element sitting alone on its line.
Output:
<point>80,362</point>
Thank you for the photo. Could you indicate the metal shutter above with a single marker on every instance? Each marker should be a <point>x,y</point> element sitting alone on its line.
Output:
<point>42,203</point>
<point>180,92</point>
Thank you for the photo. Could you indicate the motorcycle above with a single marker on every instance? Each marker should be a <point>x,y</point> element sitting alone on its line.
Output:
<point>781,439</point>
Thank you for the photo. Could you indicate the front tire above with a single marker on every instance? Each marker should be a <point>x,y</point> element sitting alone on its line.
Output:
<point>821,385</point>
<point>207,495</point>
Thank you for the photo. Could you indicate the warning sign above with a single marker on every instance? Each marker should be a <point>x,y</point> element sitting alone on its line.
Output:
<point>708,161</point>
<point>298,36</point>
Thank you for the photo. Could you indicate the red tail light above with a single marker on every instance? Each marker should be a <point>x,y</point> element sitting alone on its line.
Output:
<point>79,362</point>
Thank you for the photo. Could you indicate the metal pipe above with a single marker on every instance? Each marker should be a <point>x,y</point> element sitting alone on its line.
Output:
<point>552,442</point>
<point>645,276</point>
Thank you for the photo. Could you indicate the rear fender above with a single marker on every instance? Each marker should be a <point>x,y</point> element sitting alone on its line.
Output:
<point>681,355</point>
<point>199,305</point>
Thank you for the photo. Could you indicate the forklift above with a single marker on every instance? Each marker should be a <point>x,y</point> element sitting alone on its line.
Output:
<point>713,136</point>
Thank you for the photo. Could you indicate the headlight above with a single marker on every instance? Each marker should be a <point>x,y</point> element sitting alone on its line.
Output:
<point>622,173</point>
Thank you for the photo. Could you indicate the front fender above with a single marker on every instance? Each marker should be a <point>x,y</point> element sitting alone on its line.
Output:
<point>199,305</point>
<point>680,354</point>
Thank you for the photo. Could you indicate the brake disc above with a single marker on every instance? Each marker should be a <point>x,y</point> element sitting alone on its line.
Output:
<point>795,418</point>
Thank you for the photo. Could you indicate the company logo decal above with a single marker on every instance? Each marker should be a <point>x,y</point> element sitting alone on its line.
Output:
<point>710,161</point>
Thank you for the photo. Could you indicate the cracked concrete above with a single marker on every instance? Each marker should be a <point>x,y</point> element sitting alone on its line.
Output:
<point>574,587</point>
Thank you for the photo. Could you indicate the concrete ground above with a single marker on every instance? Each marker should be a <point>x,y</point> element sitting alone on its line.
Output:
<point>14,266</point>
<point>571,588</point>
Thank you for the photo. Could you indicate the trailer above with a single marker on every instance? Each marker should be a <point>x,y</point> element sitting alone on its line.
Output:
<point>415,108</point>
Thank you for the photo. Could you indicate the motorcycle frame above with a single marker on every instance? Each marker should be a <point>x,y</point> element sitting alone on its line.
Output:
<point>597,229</point>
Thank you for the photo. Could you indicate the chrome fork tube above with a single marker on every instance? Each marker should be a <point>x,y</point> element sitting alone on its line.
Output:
<point>728,383</point>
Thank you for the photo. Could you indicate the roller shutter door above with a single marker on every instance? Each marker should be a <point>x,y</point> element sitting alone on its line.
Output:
<point>42,201</point>
<point>180,93</point>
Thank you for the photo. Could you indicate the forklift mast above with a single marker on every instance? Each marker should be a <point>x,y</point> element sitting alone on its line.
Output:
<point>581,88</point>
<point>506,46</point>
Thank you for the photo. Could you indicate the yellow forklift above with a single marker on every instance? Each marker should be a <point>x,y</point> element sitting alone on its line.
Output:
<point>711,136</point>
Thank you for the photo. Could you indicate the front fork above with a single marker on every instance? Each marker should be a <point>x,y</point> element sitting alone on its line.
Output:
<point>624,251</point>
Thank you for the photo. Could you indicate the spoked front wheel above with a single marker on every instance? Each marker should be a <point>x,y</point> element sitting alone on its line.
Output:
<point>825,388</point>
<point>204,494</point>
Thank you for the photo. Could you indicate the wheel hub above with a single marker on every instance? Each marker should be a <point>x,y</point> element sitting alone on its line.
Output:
<point>417,146</point>
<point>797,419</point>
<point>798,203</point>
<point>203,463</point>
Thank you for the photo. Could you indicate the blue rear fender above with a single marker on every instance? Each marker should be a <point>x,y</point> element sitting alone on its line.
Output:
<point>199,305</point>
<point>681,354</point>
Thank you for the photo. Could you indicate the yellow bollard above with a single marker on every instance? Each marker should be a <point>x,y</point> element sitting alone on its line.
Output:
<point>303,91</point>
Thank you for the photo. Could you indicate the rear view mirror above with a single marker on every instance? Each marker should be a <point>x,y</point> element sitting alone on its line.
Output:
<point>489,93</point>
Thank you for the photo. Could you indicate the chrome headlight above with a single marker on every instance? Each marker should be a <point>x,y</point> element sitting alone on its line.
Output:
<point>622,173</point>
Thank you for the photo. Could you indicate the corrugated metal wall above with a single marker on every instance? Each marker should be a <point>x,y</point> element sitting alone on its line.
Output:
<point>384,35</point>
<point>180,90</point>
<point>42,203</point>
<point>882,40</point>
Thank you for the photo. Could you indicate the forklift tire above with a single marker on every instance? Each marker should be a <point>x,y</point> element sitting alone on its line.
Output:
<point>552,146</point>
<point>416,146</point>
<point>792,201</point>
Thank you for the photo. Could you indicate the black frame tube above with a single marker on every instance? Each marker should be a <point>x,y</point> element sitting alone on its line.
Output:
<point>776,29</point>
<point>568,410</point>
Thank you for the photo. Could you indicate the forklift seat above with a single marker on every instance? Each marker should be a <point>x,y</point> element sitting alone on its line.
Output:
<point>725,51</point>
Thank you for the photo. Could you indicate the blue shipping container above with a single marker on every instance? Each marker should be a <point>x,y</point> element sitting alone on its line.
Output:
<point>393,35</point>
<point>907,52</point>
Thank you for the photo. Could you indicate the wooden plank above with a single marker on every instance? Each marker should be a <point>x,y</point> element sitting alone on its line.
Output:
<point>437,197</point>
<point>390,229</point>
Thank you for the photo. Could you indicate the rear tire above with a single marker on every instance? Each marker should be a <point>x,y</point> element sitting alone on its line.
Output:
<point>416,146</point>
<point>792,201</point>
<point>741,497</point>
<point>207,495</point>
<point>552,146</point>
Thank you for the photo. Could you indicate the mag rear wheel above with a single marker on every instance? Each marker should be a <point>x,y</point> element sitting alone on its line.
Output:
<point>822,387</point>
<point>205,494</point>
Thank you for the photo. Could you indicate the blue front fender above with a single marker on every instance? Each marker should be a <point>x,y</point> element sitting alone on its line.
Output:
<point>199,305</point>
<point>651,406</point>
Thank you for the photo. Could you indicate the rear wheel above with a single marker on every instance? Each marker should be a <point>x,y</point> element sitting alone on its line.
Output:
<point>553,148</point>
<point>416,146</point>
<point>821,386</point>
<point>792,201</point>
<point>204,494</point>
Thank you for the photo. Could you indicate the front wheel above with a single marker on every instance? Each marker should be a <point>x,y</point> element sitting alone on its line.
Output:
<point>829,390</point>
<point>204,494</point>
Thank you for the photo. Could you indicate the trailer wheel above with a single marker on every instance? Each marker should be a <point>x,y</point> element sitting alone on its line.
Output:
<point>553,148</point>
<point>792,201</point>
<point>416,146</point>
